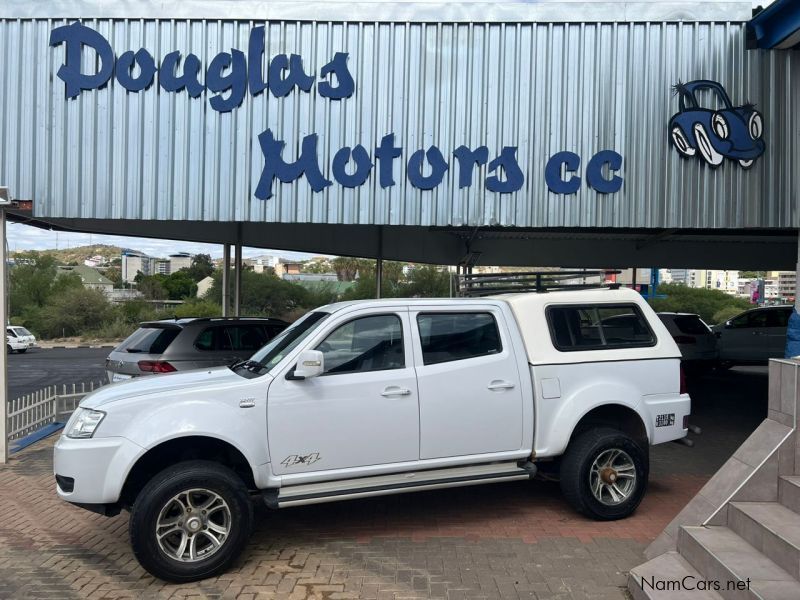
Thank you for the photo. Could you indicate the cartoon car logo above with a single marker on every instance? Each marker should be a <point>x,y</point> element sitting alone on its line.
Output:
<point>732,132</point>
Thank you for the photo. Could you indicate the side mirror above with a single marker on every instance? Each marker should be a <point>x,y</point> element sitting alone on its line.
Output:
<point>311,363</point>
<point>727,324</point>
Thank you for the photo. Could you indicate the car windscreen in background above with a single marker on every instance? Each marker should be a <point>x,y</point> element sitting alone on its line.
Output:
<point>22,331</point>
<point>692,325</point>
<point>149,340</point>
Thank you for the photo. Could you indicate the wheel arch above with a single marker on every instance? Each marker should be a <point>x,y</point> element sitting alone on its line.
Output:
<point>184,448</point>
<point>617,416</point>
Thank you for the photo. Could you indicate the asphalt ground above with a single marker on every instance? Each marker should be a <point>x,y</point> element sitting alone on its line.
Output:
<point>39,368</point>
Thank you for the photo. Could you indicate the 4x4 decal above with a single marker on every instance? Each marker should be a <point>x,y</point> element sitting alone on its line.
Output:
<point>294,459</point>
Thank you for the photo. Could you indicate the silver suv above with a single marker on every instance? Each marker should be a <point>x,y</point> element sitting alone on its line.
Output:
<point>184,344</point>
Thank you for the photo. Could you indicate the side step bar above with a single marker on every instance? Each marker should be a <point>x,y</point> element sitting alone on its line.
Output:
<point>382,485</point>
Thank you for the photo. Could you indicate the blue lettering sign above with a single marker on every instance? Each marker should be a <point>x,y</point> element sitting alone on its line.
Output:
<point>514,177</point>
<point>345,84</point>
<point>274,165</point>
<point>170,81</point>
<point>76,36</point>
<point>217,80</point>
<point>467,159</point>
<point>552,173</point>
<point>594,172</point>
<point>363,166</point>
<point>147,70</point>
<point>386,153</point>
<point>438,168</point>
<point>281,85</point>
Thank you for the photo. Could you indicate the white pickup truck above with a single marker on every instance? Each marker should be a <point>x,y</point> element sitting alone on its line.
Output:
<point>379,397</point>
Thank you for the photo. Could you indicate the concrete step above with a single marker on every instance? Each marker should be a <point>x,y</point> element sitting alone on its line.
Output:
<point>789,491</point>
<point>770,528</point>
<point>740,571</point>
<point>668,577</point>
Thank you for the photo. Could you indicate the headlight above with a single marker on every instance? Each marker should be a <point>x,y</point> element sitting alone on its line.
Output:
<point>84,423</point>
<point>755,125</point>
<point>720,126</point>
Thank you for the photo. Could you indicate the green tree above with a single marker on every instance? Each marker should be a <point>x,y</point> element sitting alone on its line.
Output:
<point>114,274</point>
<point>704,302</point>
<point>202,266</point>
<point>318,266</point>
<point>76,311</point>
<point>151,286</point>
<point>180,285</point>
<point>428,281</point>
<point>265,294</point>
<point>346,267</point>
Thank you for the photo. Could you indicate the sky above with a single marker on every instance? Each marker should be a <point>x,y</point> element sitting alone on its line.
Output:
<point>24,237</point>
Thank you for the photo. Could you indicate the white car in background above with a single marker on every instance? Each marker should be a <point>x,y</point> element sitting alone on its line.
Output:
<point>696,341</point>
<point>19,339</point>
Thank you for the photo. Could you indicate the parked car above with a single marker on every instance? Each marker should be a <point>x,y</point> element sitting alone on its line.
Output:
<point>183,344</point>
<point>19,339</point>
<point>696,341</point>
<point>754,336</point>
<point>377,397</point>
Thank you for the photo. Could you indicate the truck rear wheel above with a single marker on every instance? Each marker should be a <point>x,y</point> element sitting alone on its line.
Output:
<point>604,474</point>
<point>191,521</point>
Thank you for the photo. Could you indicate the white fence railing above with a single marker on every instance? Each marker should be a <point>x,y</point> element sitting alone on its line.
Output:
<point>53,404</point>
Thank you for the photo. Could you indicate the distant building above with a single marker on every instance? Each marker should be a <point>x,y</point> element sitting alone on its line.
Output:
<point>181,260</point>
<point>204,285</point>
<point>300,277</point>
<point>787,284</point>
<point>90,278</point>
<point>289,268</point>
<point>120,296</point>
<point>260,263</point>
<point>134,263</point>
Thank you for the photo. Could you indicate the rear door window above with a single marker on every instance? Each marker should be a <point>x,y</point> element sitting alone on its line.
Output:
<point>778,317</point>
<point>691,325</point>
<point>599,326</point>
<point>150,340</point>
<point>457,336</point>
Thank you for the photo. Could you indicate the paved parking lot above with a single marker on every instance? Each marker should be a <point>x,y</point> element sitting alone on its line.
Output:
<point>514,540</point>
<point>38,368</point>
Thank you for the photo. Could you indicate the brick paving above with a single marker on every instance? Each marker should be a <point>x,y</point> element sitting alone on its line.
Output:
<point>512,540</point>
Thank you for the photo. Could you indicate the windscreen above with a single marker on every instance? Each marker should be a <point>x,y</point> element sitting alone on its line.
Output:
<point>286,341</point>
<point>149,340</point>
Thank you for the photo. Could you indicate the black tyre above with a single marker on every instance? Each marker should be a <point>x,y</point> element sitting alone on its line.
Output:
<point>191,521</point>
<point>9,349</point>
<point>604,474</point>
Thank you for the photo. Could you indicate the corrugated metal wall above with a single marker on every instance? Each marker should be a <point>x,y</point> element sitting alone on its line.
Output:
<point>541,87</point>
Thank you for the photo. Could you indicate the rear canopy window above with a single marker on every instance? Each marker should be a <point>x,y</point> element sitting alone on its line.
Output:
<point>691,324</point>
<point>457,336</point>
<point>150,340</point>
<point>598,326</point>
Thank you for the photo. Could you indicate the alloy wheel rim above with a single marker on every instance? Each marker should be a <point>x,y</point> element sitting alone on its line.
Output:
<point>612,477</point>
<point>193,525</point>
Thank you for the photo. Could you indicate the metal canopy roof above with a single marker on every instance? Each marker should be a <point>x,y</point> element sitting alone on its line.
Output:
<point>776,27</point>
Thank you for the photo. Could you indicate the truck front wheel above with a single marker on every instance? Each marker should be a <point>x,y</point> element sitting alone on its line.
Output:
<point>604,474</point>
<point>191,521</point>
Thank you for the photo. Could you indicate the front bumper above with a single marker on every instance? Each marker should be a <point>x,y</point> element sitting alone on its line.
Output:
<point>97,468</point>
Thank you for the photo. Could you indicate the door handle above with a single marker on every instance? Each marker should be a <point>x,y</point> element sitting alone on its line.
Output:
<point>394,390</point>
<point>499,384</point>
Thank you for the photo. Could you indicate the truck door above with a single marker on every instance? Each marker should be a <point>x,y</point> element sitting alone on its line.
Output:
<point>362,411</point>
<point>469,391</point>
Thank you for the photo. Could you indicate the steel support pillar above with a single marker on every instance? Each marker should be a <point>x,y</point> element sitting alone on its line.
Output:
<point>226,279</point>
<point>237,278</point>
<point>4,354</point>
